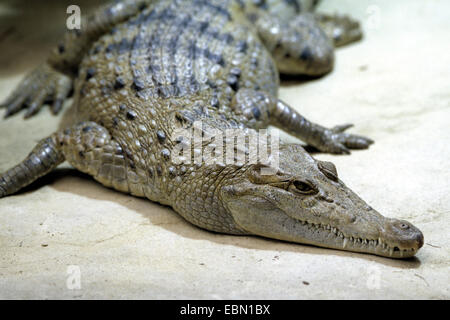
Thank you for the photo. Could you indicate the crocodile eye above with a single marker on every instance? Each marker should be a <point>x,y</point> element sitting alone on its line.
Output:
<point>303,187</point>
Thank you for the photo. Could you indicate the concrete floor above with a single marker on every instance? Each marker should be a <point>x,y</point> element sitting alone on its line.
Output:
<point>393,85</point>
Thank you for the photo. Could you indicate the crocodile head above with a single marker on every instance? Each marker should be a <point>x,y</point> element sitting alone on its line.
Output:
<point>304,201</point>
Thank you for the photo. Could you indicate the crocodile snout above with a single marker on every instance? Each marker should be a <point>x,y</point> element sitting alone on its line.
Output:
<point>403,235</point>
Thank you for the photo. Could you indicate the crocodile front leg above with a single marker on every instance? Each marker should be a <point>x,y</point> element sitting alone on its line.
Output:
<point>89,148</point>
<point>333,140</point>
<point>258,110</point>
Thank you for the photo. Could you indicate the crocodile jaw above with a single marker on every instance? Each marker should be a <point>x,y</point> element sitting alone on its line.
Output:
<point>260,217</point>
<point>330,237</point>
<point>331,215</point>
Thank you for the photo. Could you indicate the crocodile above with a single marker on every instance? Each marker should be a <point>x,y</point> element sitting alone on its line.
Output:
<point>142,70</point>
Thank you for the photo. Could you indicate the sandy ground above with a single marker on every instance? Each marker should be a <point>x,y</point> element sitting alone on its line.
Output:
<point>393,85</point>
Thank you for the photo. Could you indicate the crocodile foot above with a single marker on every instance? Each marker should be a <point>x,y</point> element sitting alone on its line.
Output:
<point>341,29</point>
<point>337,141</point>
<point>42,85</point>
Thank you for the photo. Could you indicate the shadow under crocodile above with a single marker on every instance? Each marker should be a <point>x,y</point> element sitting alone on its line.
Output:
<point>73,181</point>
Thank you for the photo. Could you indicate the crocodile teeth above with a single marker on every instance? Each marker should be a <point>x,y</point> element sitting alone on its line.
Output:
<point>345,243</point>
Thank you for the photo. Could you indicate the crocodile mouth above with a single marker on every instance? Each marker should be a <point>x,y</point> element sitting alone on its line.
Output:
<point>336,239</point>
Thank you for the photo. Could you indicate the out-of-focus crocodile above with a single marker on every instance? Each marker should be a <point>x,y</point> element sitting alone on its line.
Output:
<point>144,69</point>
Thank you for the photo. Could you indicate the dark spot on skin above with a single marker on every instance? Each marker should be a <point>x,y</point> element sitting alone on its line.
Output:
<point>159,171</point>
<point>119,150</point>
<point>109,48</point>
<point>150,172</point>
<point>154,68</point>
<point>195,52</point>
<point>128,154</point>
<point>179,140</point>
<point>166,154</point>
<point>203,26</point>
<point>131,115</point>
<point>119,84</point>
<point>87,129</point>
<point>172,172</point>
<point>221,10</point>
<point>256,113</point>
<point>90,72</point>
<point>61,48</point>
<point>211,84</point>
<point>233,82</point>
<point>96,50</point>
<point>306,54</point>
<point>124,46</point>
<point>278,46</point>
<point>236,71</point>
<point>179,117</point>
<point>122,107</point>
<point>162,92</point>
<point>106,91</point>
<point>115,121</point>
<point>228,38</point>
<point>261,4</point>
<point>295,4</point>
<point>161,136</point>
<point>81,154</point>
<point>138,85</point>
<point>215,102</point>
<point>241,3</point>
<point>242,46</point>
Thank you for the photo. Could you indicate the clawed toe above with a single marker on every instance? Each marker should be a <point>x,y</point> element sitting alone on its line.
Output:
<point>41,86</point>
<point>341,29</point>
<point>357,142</point>
<point>337,141</point>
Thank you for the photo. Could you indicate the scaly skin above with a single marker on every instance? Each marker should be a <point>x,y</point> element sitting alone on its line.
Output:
<point>142,70</point>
